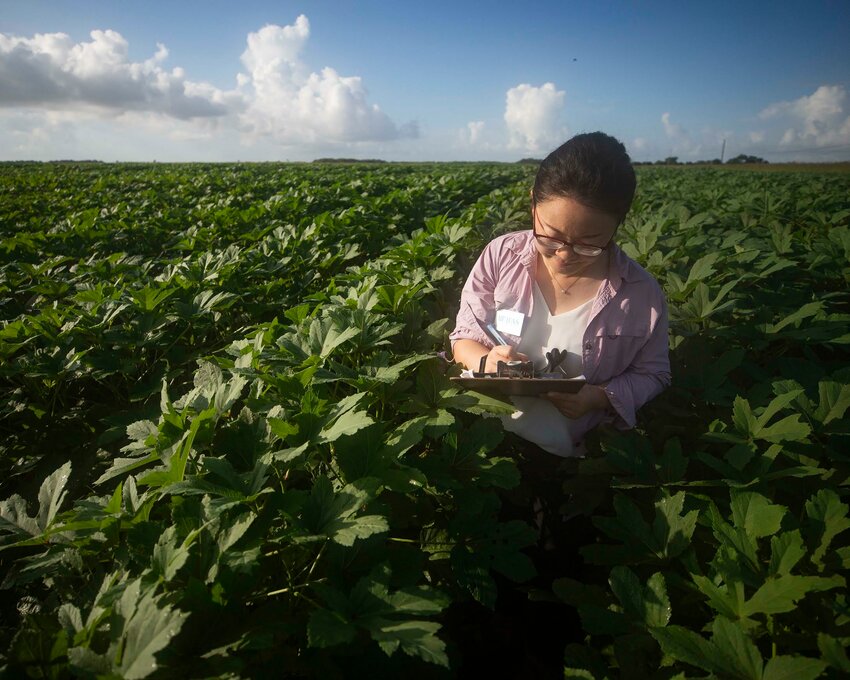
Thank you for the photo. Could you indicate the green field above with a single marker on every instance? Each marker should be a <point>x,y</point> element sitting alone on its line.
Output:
<point>228,449</point>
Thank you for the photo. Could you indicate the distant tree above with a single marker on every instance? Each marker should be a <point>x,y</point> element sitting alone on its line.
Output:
<point>530,161</point>
<point>671,160</point>
<point>743,158</point>
<point>349,160</point>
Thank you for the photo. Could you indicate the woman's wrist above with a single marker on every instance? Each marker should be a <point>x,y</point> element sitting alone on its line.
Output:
<point>600,398</point>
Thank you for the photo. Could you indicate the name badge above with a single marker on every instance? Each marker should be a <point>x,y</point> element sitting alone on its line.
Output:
<point>509,321</point>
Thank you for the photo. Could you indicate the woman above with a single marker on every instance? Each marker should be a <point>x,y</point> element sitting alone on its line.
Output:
<point>566,285</point>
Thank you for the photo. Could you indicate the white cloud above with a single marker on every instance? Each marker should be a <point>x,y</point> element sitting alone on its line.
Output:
<point>50,71</point>
<point>682,144</point>
<point>471,134</point>
<point>820,118</point>
<point>293,105</point>
<point>533,117</point>
<point>671,129</point>
<point>277,97</point>
<point>756,137</point>
<point>704,144</point>
<point>640,143</point>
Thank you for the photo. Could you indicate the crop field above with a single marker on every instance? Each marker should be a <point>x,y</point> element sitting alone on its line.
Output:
<point>228,447</point>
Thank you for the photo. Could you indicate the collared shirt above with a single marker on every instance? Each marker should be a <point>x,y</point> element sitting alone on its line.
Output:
<point>625,346</point>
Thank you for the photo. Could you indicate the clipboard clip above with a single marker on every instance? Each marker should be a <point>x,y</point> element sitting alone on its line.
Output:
<point>506,369</point>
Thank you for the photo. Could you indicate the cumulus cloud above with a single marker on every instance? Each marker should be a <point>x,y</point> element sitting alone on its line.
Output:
<point>680,139</point>
<point>671,129</point>
<point>51,71</point>
<point>276,96</point>
<point>702,144</point>
<point>293,105</point>
<point>533,116</point>
<point>820,118</point>
<point>471,134</point>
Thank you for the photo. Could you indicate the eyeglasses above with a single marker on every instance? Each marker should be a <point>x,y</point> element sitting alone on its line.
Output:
<point>553,245</point>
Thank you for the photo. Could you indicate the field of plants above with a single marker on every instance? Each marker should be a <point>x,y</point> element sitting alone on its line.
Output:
<point>228,447</point>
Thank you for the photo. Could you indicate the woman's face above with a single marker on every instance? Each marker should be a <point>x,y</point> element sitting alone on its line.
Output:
<point>568,220</point>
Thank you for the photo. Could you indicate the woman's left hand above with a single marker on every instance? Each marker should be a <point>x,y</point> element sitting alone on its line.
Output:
<point>588,398</point>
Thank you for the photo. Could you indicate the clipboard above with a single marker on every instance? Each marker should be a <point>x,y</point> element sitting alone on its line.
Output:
<point>520,387</point>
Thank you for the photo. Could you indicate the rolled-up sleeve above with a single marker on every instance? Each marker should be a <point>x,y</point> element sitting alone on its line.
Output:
<point>476,301</point>
<point>646,377</point>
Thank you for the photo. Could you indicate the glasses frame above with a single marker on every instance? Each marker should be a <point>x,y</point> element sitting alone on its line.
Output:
<point>567,244</point>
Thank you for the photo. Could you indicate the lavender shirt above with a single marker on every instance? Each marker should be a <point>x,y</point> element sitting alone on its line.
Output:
<point>625,343</point>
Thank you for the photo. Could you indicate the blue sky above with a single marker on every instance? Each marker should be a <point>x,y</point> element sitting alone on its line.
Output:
<point>223,81</point>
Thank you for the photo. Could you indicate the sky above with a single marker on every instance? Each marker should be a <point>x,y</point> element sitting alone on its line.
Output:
<point>421,81</point>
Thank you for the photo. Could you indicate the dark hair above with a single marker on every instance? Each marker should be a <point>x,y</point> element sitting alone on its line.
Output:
<point>593,169</point>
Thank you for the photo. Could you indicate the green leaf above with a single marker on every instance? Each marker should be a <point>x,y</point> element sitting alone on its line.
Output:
<point>142,429</point>
<point>416,638</point>
<point>726,599</point>
<point>755,514</point>
<point>737,656</point>
<point>781,594</point>
<point>330,514</point>
<point>148,630</point>
<point>786,549</point>
<point>804,312</point>
<point>657,609</point>
<point>687,646</point>
<point>788,429</point>
<point>51,494</point>
<point>793,668</point>
<point>121,466</point>
<point>834,652</point>
<point>88,661</point>
<point>834,401</point>
<point>347,424</point>
<point>778,403</point>
<point>418,601</point>
<point>671,529</point>
<point>345,532</point>
<point>626,586</point>
<point>702,268</point>
<point>235,529</point>
<point>328,628</point>
<point>168,554</point>
<point>628,526</point>
<point>829,516</point>
<point>742,416</point>
<point>326,336</point>
<point>13,512</point>
<point>650,605</point>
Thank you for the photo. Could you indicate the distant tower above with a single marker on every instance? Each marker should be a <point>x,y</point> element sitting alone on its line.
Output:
<point>722,151</point>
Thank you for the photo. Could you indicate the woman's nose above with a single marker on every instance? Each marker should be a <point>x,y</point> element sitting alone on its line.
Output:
<point>565,254</point>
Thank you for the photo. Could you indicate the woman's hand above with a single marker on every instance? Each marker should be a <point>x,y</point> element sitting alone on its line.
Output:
<point>588,398</point>
<point>502,353</point>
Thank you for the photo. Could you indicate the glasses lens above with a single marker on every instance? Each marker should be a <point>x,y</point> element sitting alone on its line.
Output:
<point>549,243</point>
<point>587,251</point>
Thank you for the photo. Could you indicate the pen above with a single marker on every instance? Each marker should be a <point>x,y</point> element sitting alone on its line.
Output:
<point>490,329</point>
<point>495,335</point>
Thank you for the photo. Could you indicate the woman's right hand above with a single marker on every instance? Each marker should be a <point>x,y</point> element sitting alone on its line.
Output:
<point>502,353</point>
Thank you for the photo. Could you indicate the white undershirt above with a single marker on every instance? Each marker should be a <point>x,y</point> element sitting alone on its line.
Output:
<point>536,419</point>
<point>545,332</point>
